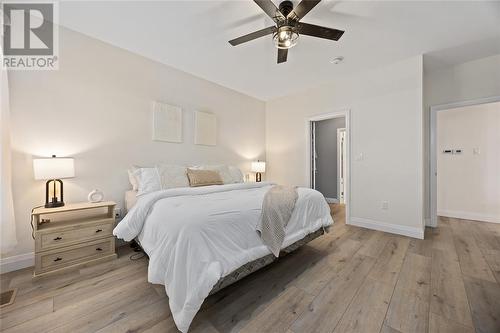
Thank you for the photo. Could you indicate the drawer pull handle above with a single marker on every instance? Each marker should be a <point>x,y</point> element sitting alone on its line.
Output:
<point>57,238</point>
<point>98,230</point>
<point>98,249</point>
<point>57,259</point>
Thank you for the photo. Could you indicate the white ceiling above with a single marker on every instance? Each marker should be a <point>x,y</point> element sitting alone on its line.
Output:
<point>192,36</point>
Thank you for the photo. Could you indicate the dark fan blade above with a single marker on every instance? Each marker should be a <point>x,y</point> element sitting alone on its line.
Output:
<point>270,9</point>
<point>302,9</point>
<point>282,54</point>
<point>252,36</point>
<point>321,32</point>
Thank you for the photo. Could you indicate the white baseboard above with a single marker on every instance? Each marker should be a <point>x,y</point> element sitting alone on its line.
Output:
<point>469,216</point>
<point>332,200</point>
<point>14,263</point>
<point>387,227</point>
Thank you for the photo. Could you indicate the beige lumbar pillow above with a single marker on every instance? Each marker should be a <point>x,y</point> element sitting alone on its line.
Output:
<point>203,177</point>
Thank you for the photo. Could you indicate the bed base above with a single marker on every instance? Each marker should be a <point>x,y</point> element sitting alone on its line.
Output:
<point>259,263</point>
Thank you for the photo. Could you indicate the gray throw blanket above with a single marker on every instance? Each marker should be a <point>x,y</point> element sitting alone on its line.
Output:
<point>277,210</point>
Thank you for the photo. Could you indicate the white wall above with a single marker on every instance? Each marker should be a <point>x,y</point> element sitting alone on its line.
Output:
<point>471,80</point>
<point>386,127</point>
<point>96,108</point>
<point>469,183</point>
<point>463,82</point>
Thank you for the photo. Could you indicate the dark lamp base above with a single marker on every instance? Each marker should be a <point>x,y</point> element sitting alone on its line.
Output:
<point>54,204</point>
<point>54,200</point>
<point>258,177</point>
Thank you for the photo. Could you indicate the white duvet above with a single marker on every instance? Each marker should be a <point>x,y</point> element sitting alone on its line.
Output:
<point>195,236</point>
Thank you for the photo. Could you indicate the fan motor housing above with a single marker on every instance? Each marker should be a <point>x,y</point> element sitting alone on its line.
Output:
<point>286,7</point>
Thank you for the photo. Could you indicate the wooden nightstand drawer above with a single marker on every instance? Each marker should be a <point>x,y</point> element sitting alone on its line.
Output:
<point>74,234</point>
<point>71,255</point>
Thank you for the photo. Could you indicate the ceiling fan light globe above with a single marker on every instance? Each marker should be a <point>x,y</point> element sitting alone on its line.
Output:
<point>286,37</point>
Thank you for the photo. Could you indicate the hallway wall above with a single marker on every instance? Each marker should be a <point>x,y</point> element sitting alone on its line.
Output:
<point>326,161</point>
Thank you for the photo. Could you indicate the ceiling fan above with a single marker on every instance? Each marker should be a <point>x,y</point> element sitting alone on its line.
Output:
<point>288,26</point>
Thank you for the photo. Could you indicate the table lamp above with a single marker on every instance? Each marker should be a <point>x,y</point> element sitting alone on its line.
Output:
<point>258,167</point>
<point>53,170</point>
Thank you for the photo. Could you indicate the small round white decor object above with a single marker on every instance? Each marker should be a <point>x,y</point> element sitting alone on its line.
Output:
<point>95,196</point>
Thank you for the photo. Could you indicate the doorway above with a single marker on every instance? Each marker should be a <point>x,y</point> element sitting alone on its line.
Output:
<point>464,161</point>
<point>328,156</point>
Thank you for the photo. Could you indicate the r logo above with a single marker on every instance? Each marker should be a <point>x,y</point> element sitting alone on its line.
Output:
<point>28,29</point>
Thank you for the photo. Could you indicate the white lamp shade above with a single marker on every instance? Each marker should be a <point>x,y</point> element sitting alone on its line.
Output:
<point>53,168</point>
<point>259,166</point>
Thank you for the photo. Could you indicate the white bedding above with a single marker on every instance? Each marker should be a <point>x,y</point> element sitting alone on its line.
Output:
<point>195,236</point>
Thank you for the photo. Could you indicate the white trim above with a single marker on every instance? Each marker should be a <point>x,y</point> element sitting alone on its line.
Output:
<point>324,116</point>
<point>332,200</point>
<point>312,155</point>
<point>340,162</point>
<point>469,216</point>
<point>433,168</point>
<point>472,102</point>
<point>14,263</point>
<point>337,114</point>
<point>387,227</point>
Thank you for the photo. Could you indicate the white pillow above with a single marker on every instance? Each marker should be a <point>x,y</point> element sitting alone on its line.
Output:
<point>236,174</point>
<point>132,179</point>
<point>172,176</point>
<point>148,180</point>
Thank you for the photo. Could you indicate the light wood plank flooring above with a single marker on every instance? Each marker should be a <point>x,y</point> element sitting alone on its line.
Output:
<point>350,280</point>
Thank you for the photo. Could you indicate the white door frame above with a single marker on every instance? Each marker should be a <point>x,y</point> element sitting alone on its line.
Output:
<point>346,113</point>
<point>312,159</point>
<point>433,147</point>
<point>341,165</point>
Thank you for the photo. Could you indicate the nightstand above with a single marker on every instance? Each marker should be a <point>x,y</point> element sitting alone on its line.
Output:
<point>73,235</point>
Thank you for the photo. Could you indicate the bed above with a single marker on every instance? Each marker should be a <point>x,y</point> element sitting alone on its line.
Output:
<point>199,240</point>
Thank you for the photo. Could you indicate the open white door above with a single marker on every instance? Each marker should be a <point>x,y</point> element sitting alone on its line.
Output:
<point>314,155</point>
<point>341,164</point>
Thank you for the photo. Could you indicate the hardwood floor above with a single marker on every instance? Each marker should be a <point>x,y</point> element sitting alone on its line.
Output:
<point>350,280</point>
